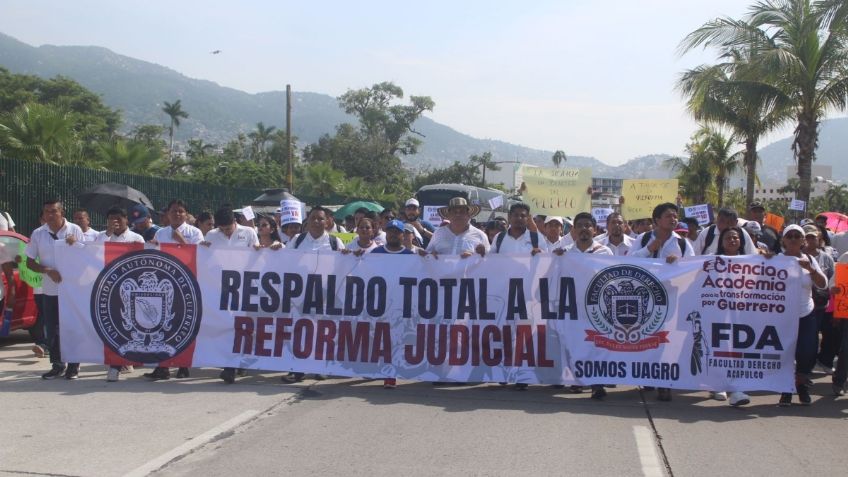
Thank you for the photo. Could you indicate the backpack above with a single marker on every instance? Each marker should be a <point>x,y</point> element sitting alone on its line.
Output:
<point>300,238</point>
<point>681,242</point>
<point>534,240</point>
<point>708,240</point>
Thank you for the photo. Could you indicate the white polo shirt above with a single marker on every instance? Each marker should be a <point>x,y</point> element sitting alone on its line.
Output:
<point>619,250</point>
<point>595,249</point>
<point>446,242</point>
<point>90,235</point>
<point>669,248</point>
<point>190,233</point>
<point>242,237</point>
<point>40,247</point>
<point>522,244</point>
<point>354,246</point>
<point>312,244</point>
<point>127,237</point>
<point>566,241</point>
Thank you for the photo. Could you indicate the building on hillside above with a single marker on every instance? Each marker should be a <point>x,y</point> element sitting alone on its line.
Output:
<point>606,193</point>
<point>822,180</point>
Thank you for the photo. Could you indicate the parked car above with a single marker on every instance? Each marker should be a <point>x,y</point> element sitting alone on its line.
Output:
<point>25,311</point>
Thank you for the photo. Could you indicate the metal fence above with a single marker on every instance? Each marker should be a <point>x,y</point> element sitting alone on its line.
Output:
<point>24,185</point>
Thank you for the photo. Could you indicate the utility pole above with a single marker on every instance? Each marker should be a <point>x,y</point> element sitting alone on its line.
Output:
<point>289,138</point>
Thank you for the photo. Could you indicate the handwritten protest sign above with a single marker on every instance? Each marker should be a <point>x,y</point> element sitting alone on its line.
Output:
<point>345,237</point>
<point>774,221</point>
<point>700,212</point>
<point>290,212</point>
<point>550,191</point>
<point>840,300</point>
<point>642,195</point>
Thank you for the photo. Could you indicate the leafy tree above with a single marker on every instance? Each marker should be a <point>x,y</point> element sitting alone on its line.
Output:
<point>175,112</point>
<point>799,47</point>
<point>40,133</point>
<point>322,181</point>
<point>197,149</point>
<point>150,134</point>
<point>484,161</point>
<point>132,157</point>
<point>456,173</point>
<point>559,158</point>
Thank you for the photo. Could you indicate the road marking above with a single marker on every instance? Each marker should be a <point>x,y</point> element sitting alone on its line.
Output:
<point>192,444</point>
<point>651,465</point>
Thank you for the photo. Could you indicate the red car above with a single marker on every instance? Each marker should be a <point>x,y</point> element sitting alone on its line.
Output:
<point>25,310</point>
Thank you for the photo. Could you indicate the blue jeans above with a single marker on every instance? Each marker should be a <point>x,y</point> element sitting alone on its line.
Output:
<point>808,343</point>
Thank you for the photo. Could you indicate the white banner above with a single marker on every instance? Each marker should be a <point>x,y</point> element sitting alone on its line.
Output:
<point>708,323</point>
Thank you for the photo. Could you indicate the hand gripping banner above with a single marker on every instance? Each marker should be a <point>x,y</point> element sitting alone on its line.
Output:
<point>703,323</point>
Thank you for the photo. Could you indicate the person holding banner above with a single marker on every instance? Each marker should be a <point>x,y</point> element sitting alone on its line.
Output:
<point>181,232</point>
<point>805,350</point>
<point>365,241</point>
<point>41,247</point>
<point>662,243</point>
<point>316,237</point>
<point>266,231</point>
<point>458,237</point>
<point>615,239</point>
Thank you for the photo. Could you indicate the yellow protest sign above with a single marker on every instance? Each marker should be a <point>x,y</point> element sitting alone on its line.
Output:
<point>346,237</point>
<point>642,195</point>
<point>550,191</point>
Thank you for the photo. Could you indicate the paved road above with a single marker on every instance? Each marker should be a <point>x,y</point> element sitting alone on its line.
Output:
<point>200,426</point>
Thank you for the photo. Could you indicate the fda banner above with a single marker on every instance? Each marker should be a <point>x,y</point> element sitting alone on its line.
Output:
<point>704,323</point>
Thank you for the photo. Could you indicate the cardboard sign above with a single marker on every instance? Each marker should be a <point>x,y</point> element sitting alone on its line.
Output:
<point>431,214</point>
<point>642,195</point>
<point>291,212</point>
<point>496,202</point>
<point>247,212</point>
<point>600,214</point>
<point>701,212</point>
<point>29,277</point>
<point>797,205</point>
<point>345,237</point>
<point>774,221</point>
<point>563,192</point>
<point>840,300</point>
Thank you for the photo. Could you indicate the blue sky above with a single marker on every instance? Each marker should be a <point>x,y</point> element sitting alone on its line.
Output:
<point>591,78</point>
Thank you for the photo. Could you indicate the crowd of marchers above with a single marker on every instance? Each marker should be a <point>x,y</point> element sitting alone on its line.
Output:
<point>822,344</point>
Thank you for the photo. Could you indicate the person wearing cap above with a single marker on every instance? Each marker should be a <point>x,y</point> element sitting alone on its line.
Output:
<point>458,237</point>
<point>806,347</point>
<point>755,232</point>
<point>142,223</point>
<point>706,243</point>
<point>693,228</point>
<point>814,248</point>
<point>615,239</point>
<point>412,216</point>
<point>552,229</point>
<point>768,234</point>
<point>409,239</point>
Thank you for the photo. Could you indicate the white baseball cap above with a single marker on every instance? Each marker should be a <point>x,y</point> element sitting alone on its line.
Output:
<point>412,201</point>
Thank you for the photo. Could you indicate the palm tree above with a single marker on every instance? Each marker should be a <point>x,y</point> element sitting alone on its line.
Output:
<point>722,162</point>
<point>132,157</point>
<point>559,158</point>
<point>485,162</point>
<point>175,112</point>
<point>750,109</point>
<point>322,181</point>
<point>197,149</point>
<point>259,137</point>
<point>799,47</point>
<point>40,133</point>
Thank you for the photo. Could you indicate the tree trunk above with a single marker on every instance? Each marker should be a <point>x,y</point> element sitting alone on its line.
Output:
<point>750,168</point>
<point>806,136</point>
<point>171,147</point>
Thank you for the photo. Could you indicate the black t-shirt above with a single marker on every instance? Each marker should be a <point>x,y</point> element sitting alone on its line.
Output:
<point>771,238</point>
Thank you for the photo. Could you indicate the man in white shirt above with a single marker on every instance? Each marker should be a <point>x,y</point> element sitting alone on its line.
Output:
<point>316,237</point>
<point>40,247</point>
<point>177,231</point>
<point>662,243</point>
<point>518,238</point>
<point>707,242</point>
<point>228,233</point>
<point>553,229</point>
<point>6,222</point>
<point>615,238</point>
<point>458,237</point>
<point>82,219</point>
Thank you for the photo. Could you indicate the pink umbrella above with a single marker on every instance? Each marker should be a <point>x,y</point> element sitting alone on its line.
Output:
<point>836,221</point>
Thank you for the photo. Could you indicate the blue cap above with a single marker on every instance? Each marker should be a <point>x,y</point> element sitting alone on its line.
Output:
<point>395,224</point>
<point>138,213</point>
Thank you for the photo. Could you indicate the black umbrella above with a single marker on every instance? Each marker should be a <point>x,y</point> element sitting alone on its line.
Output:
<point>273,197</point>
<point>103,197</point>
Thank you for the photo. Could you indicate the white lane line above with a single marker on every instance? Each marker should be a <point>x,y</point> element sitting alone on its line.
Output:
<point>651,464</point>
<point>192,444</point>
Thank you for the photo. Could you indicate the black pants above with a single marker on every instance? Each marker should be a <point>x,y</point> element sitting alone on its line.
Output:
<point>830,338</point>
<point>841,373</point>
<point>51,328</point>
<point>37,330</point>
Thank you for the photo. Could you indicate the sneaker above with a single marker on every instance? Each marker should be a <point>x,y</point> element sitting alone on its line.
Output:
<point>663,394</point>
<point>823,368</point>
<point>738,398</point>
<point>575,389</point>
<point>598,392</point>
<point>521,386</point>
<point>53,373</point>
<point>183,373</point>
<point>785,400</point>
<point>389,383</point>
<point>127,369</point>
<point>72,372</point>
<point>38,351</point>
<point>113,375</point>
<point>159,374</point>
<point>228,375</point>
<point>718,395</point>
<point>804,395</point>
<point>838,390</point>
<point>292,378</point>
